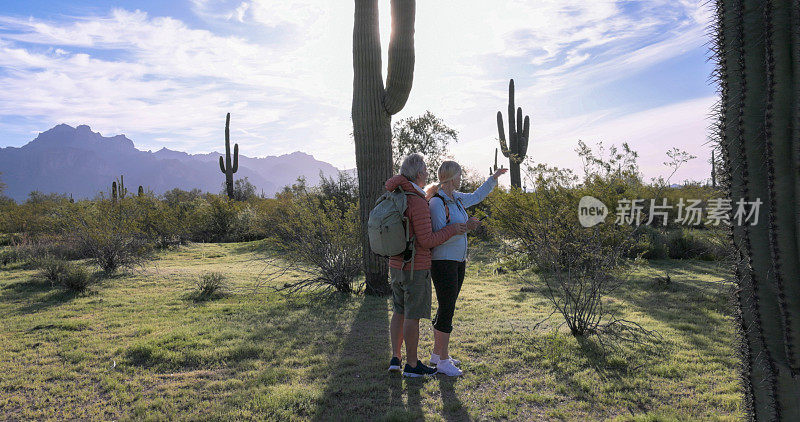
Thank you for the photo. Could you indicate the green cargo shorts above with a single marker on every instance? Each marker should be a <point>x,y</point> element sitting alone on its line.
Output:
<point>411,296</point>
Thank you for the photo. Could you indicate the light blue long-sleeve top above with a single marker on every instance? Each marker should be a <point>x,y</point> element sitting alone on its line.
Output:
<point>455,249</point>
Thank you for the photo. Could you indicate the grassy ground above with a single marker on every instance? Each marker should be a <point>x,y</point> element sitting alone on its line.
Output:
<point>136,348</point>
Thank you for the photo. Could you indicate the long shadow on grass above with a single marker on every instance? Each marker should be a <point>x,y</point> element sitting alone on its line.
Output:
<point>694,307</point>
<point>358,386</point>
<point>35,294</point>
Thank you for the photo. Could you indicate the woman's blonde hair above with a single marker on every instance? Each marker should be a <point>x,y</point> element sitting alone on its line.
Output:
<point>448,171</point>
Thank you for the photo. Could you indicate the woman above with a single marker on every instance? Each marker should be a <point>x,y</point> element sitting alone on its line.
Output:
<point>448,260</point>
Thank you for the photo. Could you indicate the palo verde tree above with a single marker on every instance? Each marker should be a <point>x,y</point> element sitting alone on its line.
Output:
<point>756,47</point>
<point>373,107</point>
<point>425,134</point>
<point>225,165</point>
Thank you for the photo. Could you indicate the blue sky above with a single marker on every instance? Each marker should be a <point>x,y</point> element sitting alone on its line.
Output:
<point>165,74</point>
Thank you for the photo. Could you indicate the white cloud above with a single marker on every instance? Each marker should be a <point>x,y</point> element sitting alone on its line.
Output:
<point>649,132</point>
<point>287,76</point>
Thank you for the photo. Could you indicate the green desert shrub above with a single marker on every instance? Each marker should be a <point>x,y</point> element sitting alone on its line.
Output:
<point>68,275</point>
<point>51,268</point>
<point>76,278</point>
<point>708,245</point>
<point>653,243</point>
<point>219,215</point>
<point>209,286</point>
<point>111,233</point>
<point>8,256</point>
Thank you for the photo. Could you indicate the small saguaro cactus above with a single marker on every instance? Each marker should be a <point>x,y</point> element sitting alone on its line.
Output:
<point>118,189</point>
<point>225,165</point>
<point>494,168</point>
<point>518,133</point>
<point>121,191</point>
<point>141,191</point>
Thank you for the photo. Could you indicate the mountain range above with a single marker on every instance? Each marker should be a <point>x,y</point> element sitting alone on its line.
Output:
<point>77,161</point>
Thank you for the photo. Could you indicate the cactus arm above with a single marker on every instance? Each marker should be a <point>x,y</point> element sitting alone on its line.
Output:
<point>502,132</point>
<point>526,129</point>
<point>401,56</point>
<point>512,125</point>
<point>518,131</point>
<point>222,165</point>
<point>235,158</point>
<point>227,141</point>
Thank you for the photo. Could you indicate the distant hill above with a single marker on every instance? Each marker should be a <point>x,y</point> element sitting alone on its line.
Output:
<point>81,162</point>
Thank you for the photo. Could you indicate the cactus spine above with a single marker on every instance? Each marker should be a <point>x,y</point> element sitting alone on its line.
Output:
<point>373,106</point>
<point>518,133</point>
<point>225,165</point>
<point>757,48</point>
<point>713,170</point>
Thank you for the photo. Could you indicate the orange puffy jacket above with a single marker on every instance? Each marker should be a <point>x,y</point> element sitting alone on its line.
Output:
<point>419,214</point>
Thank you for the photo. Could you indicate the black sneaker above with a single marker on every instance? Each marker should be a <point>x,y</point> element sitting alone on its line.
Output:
<point>394,365</point>
<point>419,371</point>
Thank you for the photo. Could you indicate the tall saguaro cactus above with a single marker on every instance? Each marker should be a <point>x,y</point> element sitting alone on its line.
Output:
<point>225,165</point>
<point>757,50</point>
<point>373,106</point>
<point>518,133</point>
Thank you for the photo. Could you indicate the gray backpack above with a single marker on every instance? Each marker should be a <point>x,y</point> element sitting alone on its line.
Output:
<point>388,228</point>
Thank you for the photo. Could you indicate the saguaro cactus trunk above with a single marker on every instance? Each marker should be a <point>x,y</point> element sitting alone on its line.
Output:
<point>373,106</point>
<point>225,166</point>
<point>756,47</point>
<point>518,132</point>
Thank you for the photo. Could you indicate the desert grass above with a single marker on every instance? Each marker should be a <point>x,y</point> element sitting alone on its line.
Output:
<point>136,347</point>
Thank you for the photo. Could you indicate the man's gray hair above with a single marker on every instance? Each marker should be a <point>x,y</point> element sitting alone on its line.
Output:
<point>412,165</point>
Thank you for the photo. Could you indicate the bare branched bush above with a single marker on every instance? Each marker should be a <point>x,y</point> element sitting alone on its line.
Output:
<point>31,248</point>
<point>110,232</point>
<point>578,266</point>
<point>319,241</point>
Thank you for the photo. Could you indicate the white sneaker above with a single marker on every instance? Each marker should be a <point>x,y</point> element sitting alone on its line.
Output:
<point>435,360</point>
<point>446,367</point>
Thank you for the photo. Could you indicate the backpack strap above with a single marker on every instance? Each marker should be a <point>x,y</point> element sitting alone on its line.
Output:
<point>410,240</point>
<point>446,208</point>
